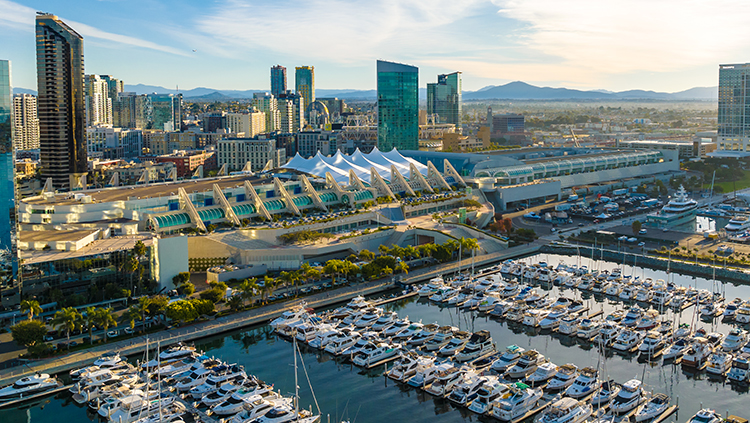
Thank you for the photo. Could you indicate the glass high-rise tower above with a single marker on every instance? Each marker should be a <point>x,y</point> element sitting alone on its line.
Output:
<point>62,113</point>
<point>734,108</point>
<point>304,83</point>
<point>398,106</point>
<point>278,80</point>
<point>444,98</point>
<point>8,260</point>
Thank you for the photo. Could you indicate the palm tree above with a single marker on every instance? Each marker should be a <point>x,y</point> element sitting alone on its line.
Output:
<point>332,268</point>
<point>248,288</point>
<point>105,317</point>
<point>32,307</point>
<point>289,278</point>
<point>89,319</point>
<point>143,304</point>
<point>68,319</point>
<point>468,245</point>
<point>402,267</point>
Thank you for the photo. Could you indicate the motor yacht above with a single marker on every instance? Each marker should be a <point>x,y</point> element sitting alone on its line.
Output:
<point>516,403</point>
<point>649,320</point>
<point>408,365</point>
<point>608,333</point>
<point>553,318</point>
<point>631,396</point>
<point>633,316</point>
<point>456,344</point>
<point>516,312</point>
<point>323,336</point>
<point>653,344</point>
<point>698,352</point>
<point>443,294</point>
<point>397,327</point>
<point>587,281</point>
<point>719,363</point>
<point>585,384</point>
<point>683,331</point>
<point>680,209</point>
<point>740,371</point>
<point>382,353</point>
<point>431,287</point>
<point>425,375</point>
<point>628,293</point>
<point>654,407</point>
<point>306,331</point>
<point>677,349</point>
<point>509,359</point>
<point>423,335</point>
<point>249,408</point>
<point>738,223</point>
<point>213,382</point>
<point>467,389</point>
<point>569,325</point>
<point>526,365</point>
<point>614,289</point>
<point>368,318</point>
<point>443,335</point>
<point>479,344</point>
<point>533,317</point>
<point>616,316</point>
<point>140,408</point>
<point>287,412</point>
<point>628,340</point>
<point>565,410</point>
<point>511,289</point>
<point>543,373</point>
<point>29,385</point>
<point>364,340</point>
<point>342,342</point>
<point>195,378</point>
<point>564,377</point>
<point>222,394</point>
<point>588,329</point>
<point>491,299</point>
<point>661,297</point>
<point>743,313</point>
<point>711,310</point>
<point>734,340</point>
<point>507,266</point>
<point>706,416</point>
<point>175,353</point>
<point>445,380</point>
<point>488,392</point>
<point>501,308</point>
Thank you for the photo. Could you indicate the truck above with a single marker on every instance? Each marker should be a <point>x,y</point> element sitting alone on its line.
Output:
<point>619,192</point>
<point>563,207</point>
<point>572,198</point>
<point>651,202</point>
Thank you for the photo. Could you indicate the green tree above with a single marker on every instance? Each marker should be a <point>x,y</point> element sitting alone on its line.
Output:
<point>181,311</point>
<point>67,319</point>
<point>105,318</point>
<point>89,318</point>
<point>236,302</point>
<point>468,245</point>
<point>383,250</point>
<point>636,227</point>
<point>187,289</point>
<point>202,307</point>
<point>31,307</point>
<point>387,271</point>
<point>28,333</point>
<point>181,278</point>
<point>402,267</point>
<point>248,288</point>
<point>157,304</point>
<point>348,268</point>
<point>366,255</point>
<point>333,268</point>
<point>130,315</point>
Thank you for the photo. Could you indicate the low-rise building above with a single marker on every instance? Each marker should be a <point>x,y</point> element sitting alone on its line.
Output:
<point>187,161</point>
<point>237,152</point>
<point>114,143</point>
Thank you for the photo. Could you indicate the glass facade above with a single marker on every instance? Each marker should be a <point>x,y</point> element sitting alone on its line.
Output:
<point>304,82</point>
<point>165,112</point>
<point>734,107</point>
<point>398,106</point>
<point>62,112</point>
<point>278,80</point>
<point>8,252</point>
<point>444,98</point>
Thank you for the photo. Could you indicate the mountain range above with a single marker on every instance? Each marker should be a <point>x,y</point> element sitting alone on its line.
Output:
<point>517,90</point>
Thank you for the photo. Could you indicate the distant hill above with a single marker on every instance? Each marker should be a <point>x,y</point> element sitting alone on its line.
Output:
<point>17,90</point>
<point>522,91</point>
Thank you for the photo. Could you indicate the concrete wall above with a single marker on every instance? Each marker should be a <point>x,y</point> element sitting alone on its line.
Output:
<point>238,274</point>
<point>172,258</point>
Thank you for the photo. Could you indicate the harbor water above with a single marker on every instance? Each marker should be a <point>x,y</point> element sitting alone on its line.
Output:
<point>346,392</point>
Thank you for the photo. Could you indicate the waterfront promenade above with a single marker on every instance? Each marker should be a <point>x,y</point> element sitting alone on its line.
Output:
<point>264,314</point>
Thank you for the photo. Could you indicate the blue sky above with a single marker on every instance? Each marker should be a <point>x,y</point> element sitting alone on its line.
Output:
<point>665,45</point>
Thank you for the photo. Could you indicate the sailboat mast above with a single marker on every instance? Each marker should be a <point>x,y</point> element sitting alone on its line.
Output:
<point>296,384</point>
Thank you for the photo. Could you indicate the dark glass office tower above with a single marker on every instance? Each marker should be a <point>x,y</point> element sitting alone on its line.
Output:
<point>278,80</point>
<point>398,106</point>
<point>9,289</point>
<point>62,114</point>
<point>444,99</point>
<point>734,109</point>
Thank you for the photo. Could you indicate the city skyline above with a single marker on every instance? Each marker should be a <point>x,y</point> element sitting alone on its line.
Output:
<point>538,42</point>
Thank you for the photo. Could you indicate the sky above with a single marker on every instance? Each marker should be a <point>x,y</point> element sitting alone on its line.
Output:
<point>664,45</point>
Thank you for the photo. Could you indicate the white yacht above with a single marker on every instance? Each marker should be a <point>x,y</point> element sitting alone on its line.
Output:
<point>588,328</point>
<point>543,373</point>
<point>491,390</point>
<point>479,344</point>
<point>177,352</point>
<point>585,384</point>
<point>396,327</point>
<point>382,353</point>
<point>652,344</point>
<point>225,391</point>
<point>29,385</point>
<point>608,333</point>
<point>406,333</point>
<point>456,344</point>
<point>569,325</point>
<point>677,349</point>
<point>680,209</point>
<point>424,335</point>
<point>431,287</point>
<point>738,223</point>
<point>231,374</point>
<point>565,410</point>
<point>565,376</point>
<point>442,336</point>
<point>250,404</point>
<point>654,408</point>
<point>740,371</point>
<point>627,340</point>
<point>426,375</point>
<point>533,317</point>
<point>553,318</point>
<point>408,365</point>
<point>509,358</point>
<point>526,365</point>
<point>464,392</point>
<point>743,313</point>
<point>195,378</point>
<point>734,340</point>
<point>445,380</point>
<point>631,395</point>
<point>706,416</point>
<point>698,352</point>
<point>516,403</point>
<point>633,316</point>
<point>606,393</point>
<point>719,363</point>
<point>141,408</point>
<point>345,340</point>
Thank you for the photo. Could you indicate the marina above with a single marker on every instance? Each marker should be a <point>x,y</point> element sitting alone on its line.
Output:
<point>261,351</point>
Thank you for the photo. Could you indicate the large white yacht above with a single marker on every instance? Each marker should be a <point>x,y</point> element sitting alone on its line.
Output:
<point>28,385</point>
<point>680,209</point>
<point>738,223</point>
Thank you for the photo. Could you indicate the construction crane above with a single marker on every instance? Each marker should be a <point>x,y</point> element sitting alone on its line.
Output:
<point>575,138</point>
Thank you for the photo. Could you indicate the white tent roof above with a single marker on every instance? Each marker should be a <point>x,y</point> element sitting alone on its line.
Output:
<point>340,164</point>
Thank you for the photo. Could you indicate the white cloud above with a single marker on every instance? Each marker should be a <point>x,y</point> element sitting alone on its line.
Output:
<point>612,37</point>
<point>18,16</point>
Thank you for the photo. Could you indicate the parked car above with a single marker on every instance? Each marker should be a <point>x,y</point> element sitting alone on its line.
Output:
<point>643,232</point>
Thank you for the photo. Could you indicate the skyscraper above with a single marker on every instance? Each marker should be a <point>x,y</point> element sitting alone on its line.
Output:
<point>164,112</point>
<point>304,83</point>
<point>98,102</point>
<point>62,130</point>
<point>268,104</point>
<point>278,80</point>
<point>398,106</point>
<point>114,85</point>
<point>8,251</point>
<point>734,108</point>
<point>25,122</point>
<point>444,98</point>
